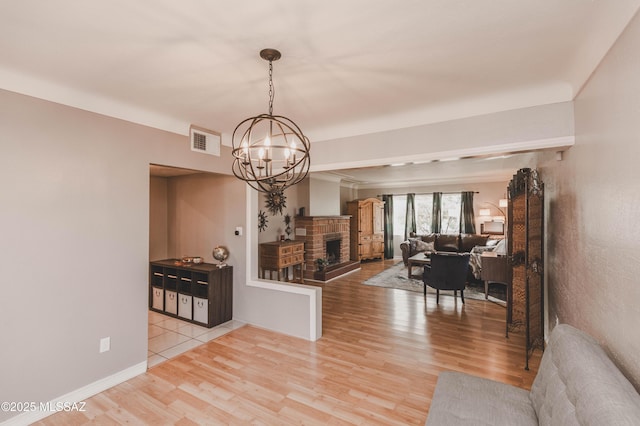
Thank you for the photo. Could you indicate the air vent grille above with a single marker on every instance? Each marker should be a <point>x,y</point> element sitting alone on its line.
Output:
<point>205,141</point>
<point>199,141</point>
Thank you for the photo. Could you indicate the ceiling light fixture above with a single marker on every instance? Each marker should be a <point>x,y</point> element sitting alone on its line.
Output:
<point>270,151</point>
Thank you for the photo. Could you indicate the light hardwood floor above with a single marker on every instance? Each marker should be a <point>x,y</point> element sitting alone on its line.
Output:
<point>377,363</point>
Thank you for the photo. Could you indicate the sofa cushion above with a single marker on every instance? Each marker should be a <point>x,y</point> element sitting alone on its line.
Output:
<point>428,238</point>
<point>469,241</point>
<point>447,242</point>
<point>577,383</point>
<point>421,246</point>
<point>463,399</point>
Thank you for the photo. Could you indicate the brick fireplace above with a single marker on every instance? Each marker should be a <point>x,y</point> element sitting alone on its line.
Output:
<point>325,237</point>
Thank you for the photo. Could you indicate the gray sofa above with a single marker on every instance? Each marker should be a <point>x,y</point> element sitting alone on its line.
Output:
<point>576,384</point>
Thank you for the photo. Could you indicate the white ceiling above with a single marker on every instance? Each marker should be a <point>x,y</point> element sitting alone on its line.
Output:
<point>348,67</point>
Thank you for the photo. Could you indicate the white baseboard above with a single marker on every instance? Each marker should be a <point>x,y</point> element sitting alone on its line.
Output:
<point>79,395</point>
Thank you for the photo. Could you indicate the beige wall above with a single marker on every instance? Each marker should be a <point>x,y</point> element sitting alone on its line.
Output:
<point>198,215</point>
<point>592,201</point>
<point>324,199</point>
<point>188,215</point>
<point>76,235</point>
<point>75,217</point>
<point>158,218</point>
<point>296,197</point>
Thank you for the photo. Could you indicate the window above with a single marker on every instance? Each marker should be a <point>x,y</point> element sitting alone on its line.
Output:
<point>451,213</point>
<point>399,211</point>
<point>424,208</point>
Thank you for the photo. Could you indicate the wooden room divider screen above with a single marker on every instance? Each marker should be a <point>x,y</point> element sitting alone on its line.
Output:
<point>526,251</point>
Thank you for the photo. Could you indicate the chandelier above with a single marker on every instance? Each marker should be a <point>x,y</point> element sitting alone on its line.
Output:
<point>270,152</point>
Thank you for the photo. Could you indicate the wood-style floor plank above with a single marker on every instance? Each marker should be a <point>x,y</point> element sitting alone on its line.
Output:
<point>377,363</point>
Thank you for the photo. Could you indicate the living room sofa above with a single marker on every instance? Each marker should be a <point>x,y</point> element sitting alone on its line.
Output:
<point>576,384</point>
<point>458,243</point>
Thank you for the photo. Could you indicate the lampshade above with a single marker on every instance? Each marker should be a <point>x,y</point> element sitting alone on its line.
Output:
<point>503,202</point>
<point>270,151</point>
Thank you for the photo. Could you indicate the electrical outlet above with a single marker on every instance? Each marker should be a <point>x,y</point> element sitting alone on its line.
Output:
<point>105,344</point>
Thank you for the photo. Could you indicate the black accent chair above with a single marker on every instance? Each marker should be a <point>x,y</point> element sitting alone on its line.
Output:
<point>448,271</point>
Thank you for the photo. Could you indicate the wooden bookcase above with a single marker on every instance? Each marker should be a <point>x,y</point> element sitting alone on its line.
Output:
<point>199,293</point>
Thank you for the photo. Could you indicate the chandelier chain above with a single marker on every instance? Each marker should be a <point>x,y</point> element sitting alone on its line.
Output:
<point>271,90</point>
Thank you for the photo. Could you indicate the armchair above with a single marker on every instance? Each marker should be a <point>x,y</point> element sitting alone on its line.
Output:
<point>448,271</point>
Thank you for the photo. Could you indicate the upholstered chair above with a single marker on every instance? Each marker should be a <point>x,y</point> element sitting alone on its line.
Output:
<point>448,271</point>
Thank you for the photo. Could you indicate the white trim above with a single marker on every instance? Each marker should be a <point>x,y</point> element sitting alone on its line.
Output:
<point>326,177</point>
<point>79,395</point>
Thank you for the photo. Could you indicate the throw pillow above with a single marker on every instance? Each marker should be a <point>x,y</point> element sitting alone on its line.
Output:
<point>425,247</point>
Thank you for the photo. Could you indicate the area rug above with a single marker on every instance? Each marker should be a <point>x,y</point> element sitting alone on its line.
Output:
<point>396,277</point>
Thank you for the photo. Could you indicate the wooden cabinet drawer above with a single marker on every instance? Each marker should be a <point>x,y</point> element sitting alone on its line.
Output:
<point>365,239</point>
<point>286,250</point>
<point>293,259</point>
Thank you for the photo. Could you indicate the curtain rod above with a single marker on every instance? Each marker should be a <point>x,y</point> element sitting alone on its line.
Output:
<point>429,193</point>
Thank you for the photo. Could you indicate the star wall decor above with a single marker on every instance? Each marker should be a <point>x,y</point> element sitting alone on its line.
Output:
<point>262,221</point>
<point>276,201</point>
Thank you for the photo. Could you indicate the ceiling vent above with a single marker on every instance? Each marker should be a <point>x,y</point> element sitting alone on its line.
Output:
<point>205,141</point>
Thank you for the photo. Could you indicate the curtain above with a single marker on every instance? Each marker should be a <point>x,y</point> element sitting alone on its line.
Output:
<point>467,218</point>
<point>436,213</point>
<point>410,218</point>
<point>388,226</point>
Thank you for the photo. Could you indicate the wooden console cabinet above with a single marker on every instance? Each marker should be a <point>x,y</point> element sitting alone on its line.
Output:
<point>279,255</point>
<point>367,228</point>
<point>199,293</point>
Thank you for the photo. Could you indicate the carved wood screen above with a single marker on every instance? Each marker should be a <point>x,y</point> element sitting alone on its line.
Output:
<point>526,251</point>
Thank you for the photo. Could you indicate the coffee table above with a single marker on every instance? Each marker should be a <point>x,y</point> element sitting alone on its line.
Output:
<point>419,259</point>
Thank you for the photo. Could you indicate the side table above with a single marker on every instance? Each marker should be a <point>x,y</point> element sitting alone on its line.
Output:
<point>419,259</point>
<point>279,255</point>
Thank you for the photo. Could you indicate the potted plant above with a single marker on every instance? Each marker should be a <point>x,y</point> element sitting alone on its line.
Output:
<point>321,264</point>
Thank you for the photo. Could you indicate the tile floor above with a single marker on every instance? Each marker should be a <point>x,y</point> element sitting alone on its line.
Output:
<point>169,337</point>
